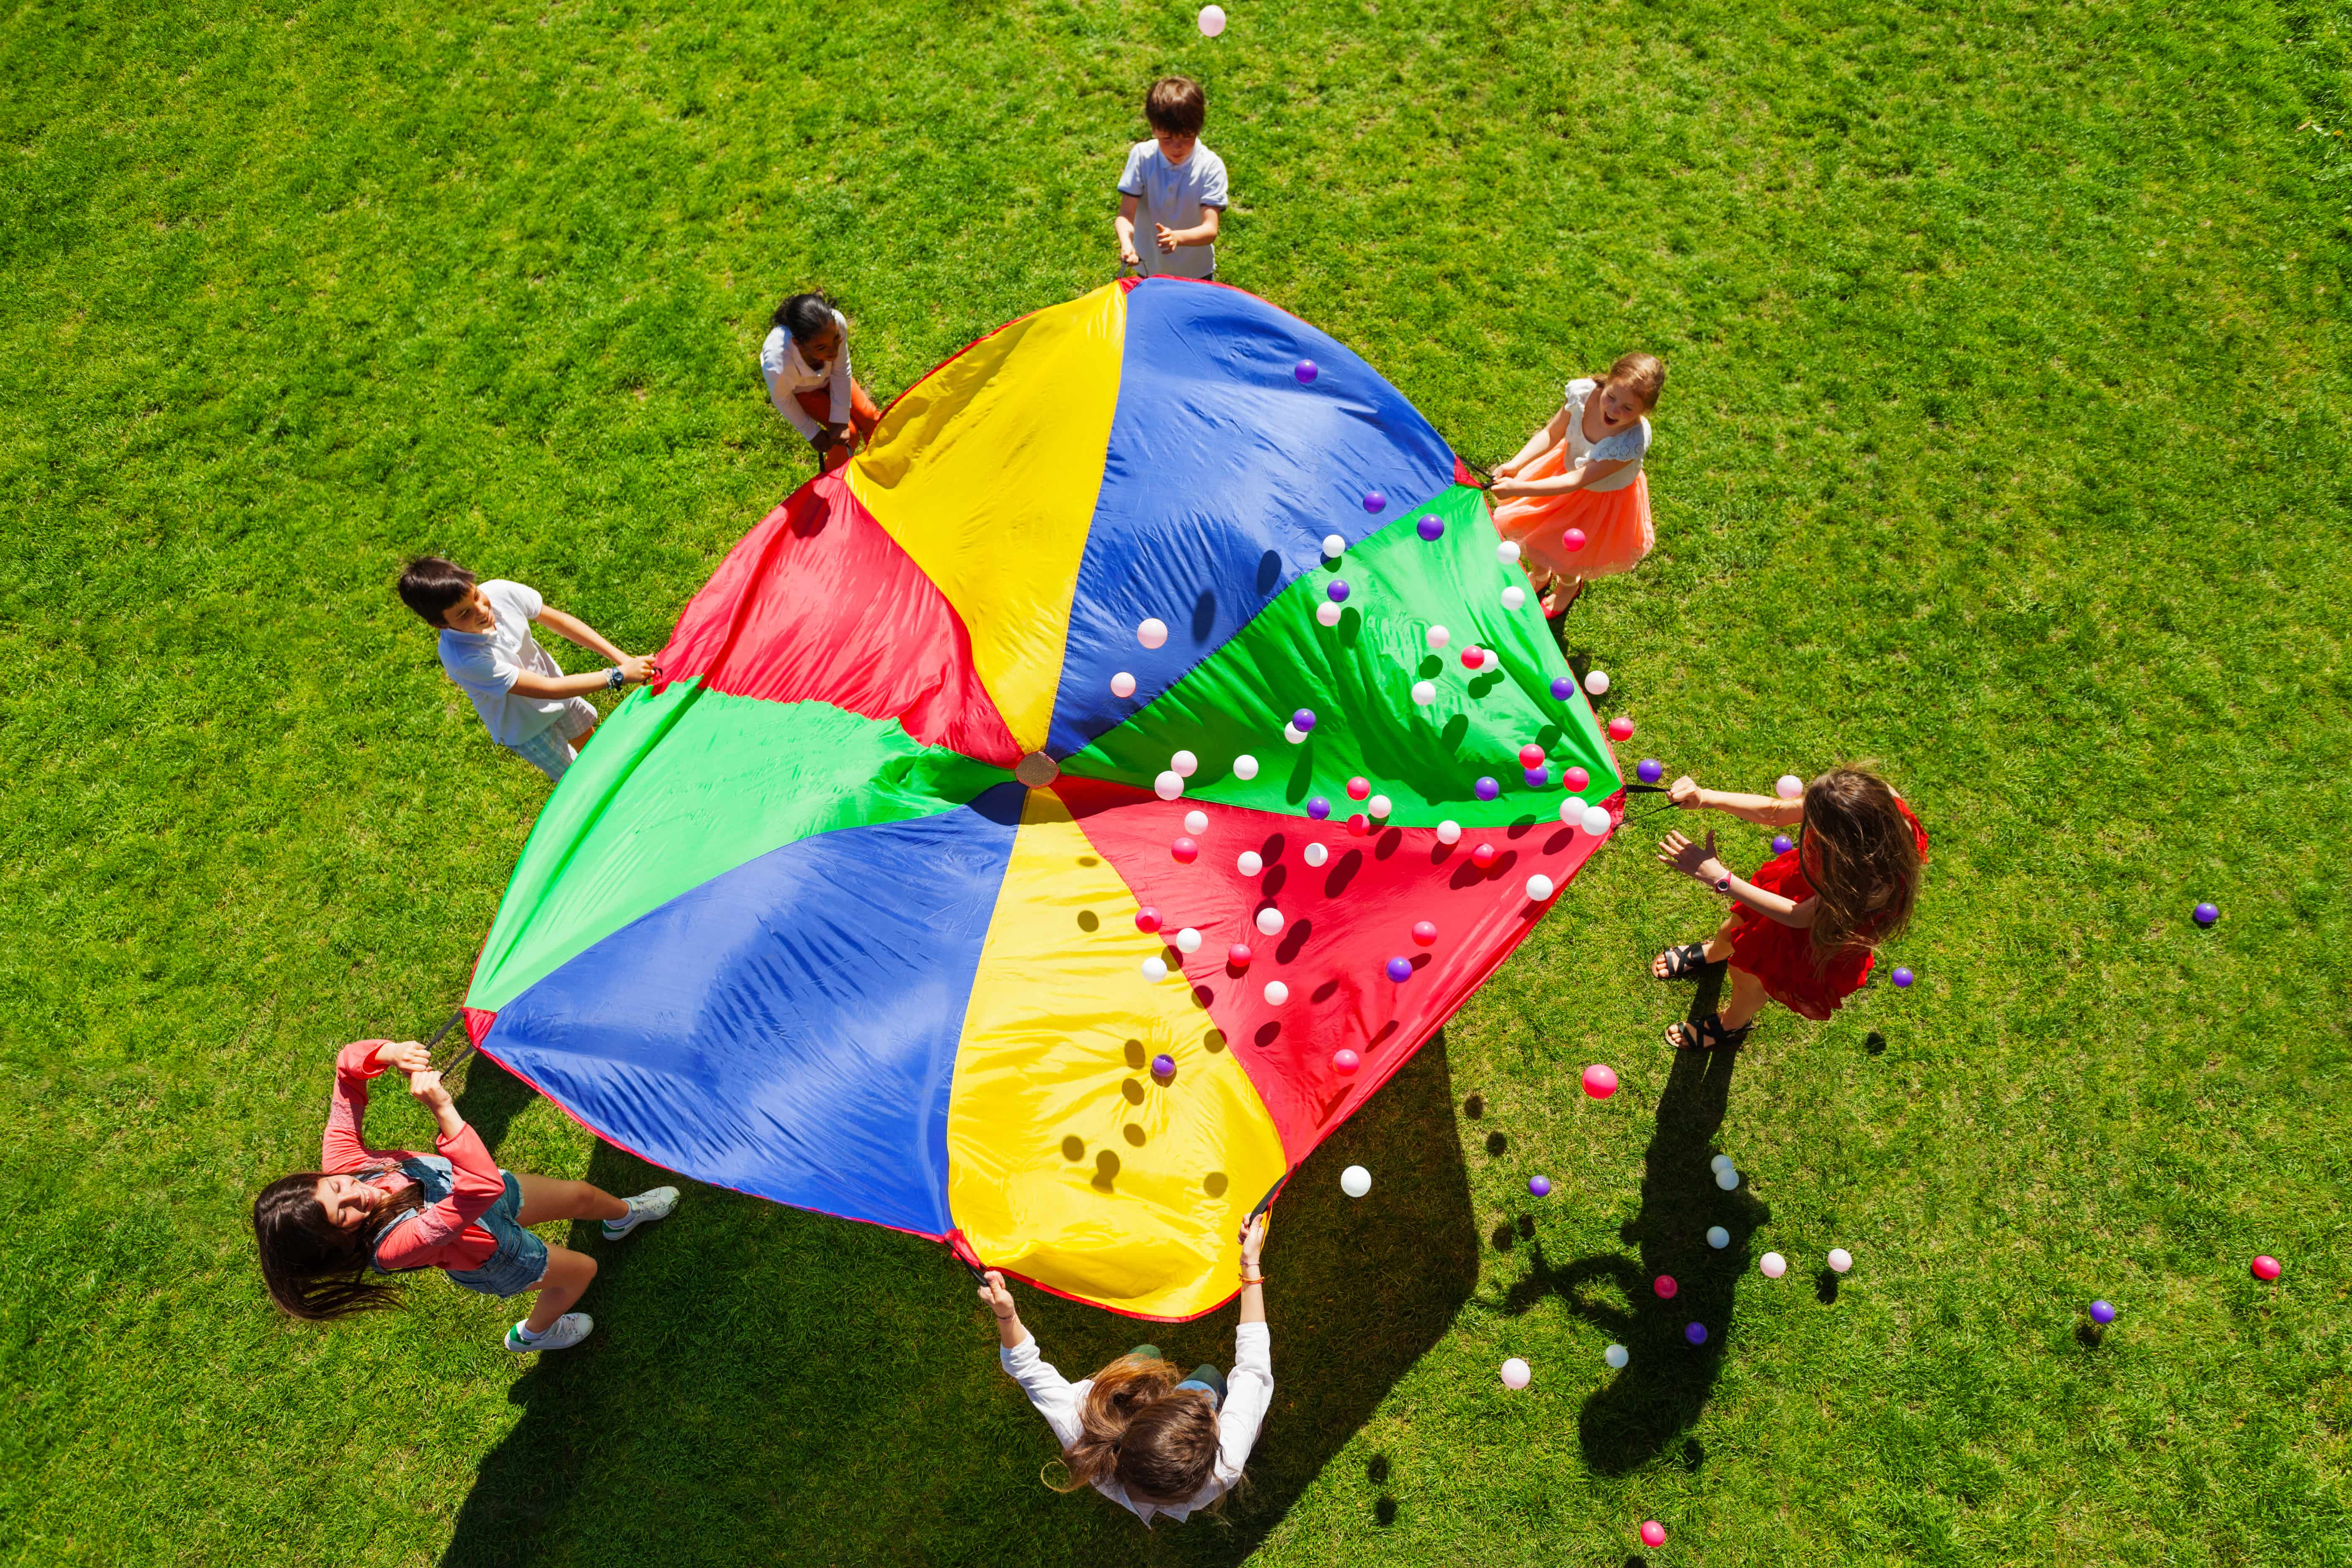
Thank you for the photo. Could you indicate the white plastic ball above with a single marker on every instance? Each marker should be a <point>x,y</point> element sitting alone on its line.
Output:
<point>1516,1374</point>
<point>1355,1180</point>
<point>1212,20</point>
<point>1196,822</point>
<point>1188,940</point>
<point>1168,785</point>
<point>1772,1266</point>
<point>1245,767</point>
<point>1721,1163</point>
<point>1424,692</point>
<point>1617,1356</point>
<point>1155,969</point>
<point>1184,764</point>
<point>1293,733</point>
<point>1334,547</point>
<point>1317,854</point>
<point>1276,992</point>
<point>1380,806</point>
<point>1488,659</point>
<point>1717,1238</point>
<point>1596,681</point>
<point>1327,613</point>
<point>1250,864</point>
<point>1514,596</point>
<point>1841,1259</point>
<point>1571,811</point>
<point>1727,1179</point>
<point>1596,820</point>
<point>1269,921</point>
<point>1438,638</point>
<point>1790,787</point>
<point>1151,633</point>
<point>1538,887</point>
<point>1449,832</point>
<point>1507,554</point>
<point>1122,684</point>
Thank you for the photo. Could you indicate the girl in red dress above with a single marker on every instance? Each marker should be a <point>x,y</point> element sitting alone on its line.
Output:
<point>1802,933</point>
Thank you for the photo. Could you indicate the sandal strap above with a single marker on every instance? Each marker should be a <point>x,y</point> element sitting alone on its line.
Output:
<point>1685,959</point>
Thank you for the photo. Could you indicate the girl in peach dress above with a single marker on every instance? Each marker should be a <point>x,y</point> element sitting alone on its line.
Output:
<point>1575,498</point>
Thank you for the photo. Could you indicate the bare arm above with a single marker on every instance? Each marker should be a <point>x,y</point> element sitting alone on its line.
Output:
<point>1124,227</point>
<point>1205,234</point>
<point>1542,441</point>
<point>1699,862</point>
<point>997,1297</point>
<point>1253,1277</point>
<point>573,629</point>
<point>1764,811</point>
<point>1576,479</point>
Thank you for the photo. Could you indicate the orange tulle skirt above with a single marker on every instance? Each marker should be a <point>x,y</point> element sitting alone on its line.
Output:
<point>1616,524</point>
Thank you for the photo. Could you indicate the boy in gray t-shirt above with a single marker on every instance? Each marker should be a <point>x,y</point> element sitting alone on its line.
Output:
<point>1174,190</point>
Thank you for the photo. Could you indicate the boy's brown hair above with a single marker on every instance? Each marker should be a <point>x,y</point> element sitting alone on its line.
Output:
<point>1176,104</point>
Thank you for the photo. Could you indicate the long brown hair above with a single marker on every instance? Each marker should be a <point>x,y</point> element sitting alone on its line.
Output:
<point>315,1269</point>
<point>1645,376</point>
<point>1861,857</point>
<point>1137,1428</point>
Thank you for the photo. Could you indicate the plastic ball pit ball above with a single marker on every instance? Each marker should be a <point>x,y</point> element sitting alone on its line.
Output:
<point>1250,863</point>
<point>1359,787</point>
<point>1596,820</point>
<point>1531,756</point>
<point>1269,921</point>
<point>1599,1080</point>
<point>1652,1533</point>
<point>1514,596</point>
<point>1334,547</point>
<point>1346,1061</point>
<point>1188,940</point>
<point>1431,527</point>
<point>1122,684</point>
<point>1380,805</point>
<point>1335,590</point>
<point>1147,920</point>
<point>2206,914</point>
<point>1772,1266</point>
<point>1359,824</point>
<point>1212,20</point>
<point>1562,688</point>
<point>1318,807</point>
<point>1789,787</point>
<point>2102,1313</point>
<point>1355,1180</point>
<point>1449,832</point>
<point>1483,856</point>
<point>1400,970</point>
<point>1727,1179</point>
<point>1665,1287</point>
<point>1840,1260</point>
<point>1539,888</point>
<point>1721,1163</point>
<point>1155,969</point>
<point>1540,1187</point>
<point>1617,1356</point>
<point>1244,767</point>
<point>1184,764</point>
<point>1375,502</point>
<point>1185,850</point>
<point>1151,633</point>
<point>1485,789</point>
<point>1621,728</point>
<point>1276,992</point>
<point>1717,1238</point>
<point>1169,784</point>
<point>1438,638</point>
<point>1573,538</point>
<point>1695,1333</point>
<point>1293,735</point>
<point>1576,778</point>
<point>1317,854</point>
<point>1196,822</point>
<point>1238,956</point>
<point>1649,770</point>
<point>1596,681</point>
<point>1305,371</point>
<point>1516,1374</point>
<point>2267,1268</point>
<point>1424,692</point>
<point>1302,721</point>
<point>1903,978</point>
<point>1507,554</point>
<point>1424,933</point>
<point>1473,657</point>
<point>1163,1066</point>
<point>1537,778</point>
<point>1327,613</point>
<point>1782,844</point>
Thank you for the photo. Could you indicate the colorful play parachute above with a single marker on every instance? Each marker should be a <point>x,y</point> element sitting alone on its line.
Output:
<point>861,908</point>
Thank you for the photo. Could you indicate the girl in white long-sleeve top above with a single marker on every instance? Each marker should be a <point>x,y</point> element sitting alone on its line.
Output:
<point>1147,1438</point>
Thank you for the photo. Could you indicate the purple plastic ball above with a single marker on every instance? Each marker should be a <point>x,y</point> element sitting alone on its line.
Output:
<point>1650,771</point>
<point>1485,789</point>
<point>1163,1066</point>
<point>1400,970</point>
<point>1375,502</point>
<point>1432,527</point>
<point>1562,689</point>
<point>1305,371</point>
<point>2102,1313</point>
<point>1318,807</point>
<point>1695,1333</point>
<point>1338,590</point>
<point>1302,721</point>
<point>1782,844</point>
<point>2206,914</point>
<point>1539,1185</point>
<point>1903,978</point>
<point>1539,778</point>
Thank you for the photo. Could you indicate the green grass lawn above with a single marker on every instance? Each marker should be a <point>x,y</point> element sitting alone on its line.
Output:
<point>2006,445</point>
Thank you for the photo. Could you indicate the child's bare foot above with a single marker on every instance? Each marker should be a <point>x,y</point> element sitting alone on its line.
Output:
<point>1682,962</point>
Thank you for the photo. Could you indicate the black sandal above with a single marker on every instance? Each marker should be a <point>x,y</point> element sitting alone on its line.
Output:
<point>1708,1035</point>
<point>1683,963</point>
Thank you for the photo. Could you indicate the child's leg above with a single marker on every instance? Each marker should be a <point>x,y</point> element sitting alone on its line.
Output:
<point>863,413</point>
<point>567,1279</point>
<point>1747,1000</point>
<point>1716,949</point>
<point>548,1198</point>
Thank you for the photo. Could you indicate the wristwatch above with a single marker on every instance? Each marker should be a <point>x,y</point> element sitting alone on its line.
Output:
<point>616,679</point>
<point>1723,883</point>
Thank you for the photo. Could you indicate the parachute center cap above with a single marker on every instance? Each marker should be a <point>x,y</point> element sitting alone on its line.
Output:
<point>1037,770</point>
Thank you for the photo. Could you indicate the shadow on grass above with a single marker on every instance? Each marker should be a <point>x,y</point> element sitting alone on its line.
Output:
<point>771,1386</point>
<point>1640,1413</point>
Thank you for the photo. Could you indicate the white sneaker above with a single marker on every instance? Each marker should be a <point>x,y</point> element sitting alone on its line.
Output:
<point>561,1335</point>
<point>644,1209</point>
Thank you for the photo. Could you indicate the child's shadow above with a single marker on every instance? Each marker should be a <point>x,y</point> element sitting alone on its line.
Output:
<point>1642,1410</point>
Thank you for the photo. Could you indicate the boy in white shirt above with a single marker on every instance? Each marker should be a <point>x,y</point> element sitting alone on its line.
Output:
<point>530,707</point>
<point>1174,185</point>
<point>805,361</point>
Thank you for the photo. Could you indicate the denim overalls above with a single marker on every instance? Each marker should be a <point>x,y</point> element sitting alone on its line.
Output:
<point>521,1257</point>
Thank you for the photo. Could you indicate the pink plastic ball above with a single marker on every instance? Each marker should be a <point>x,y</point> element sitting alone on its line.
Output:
<point>1531,756</point>
<point>1621,728</point>
<point>1358,788</point>
<point>1359,824</point>
<point>1665,1287</point>
<point>1238,956</point>
<point>1425,932</point>
<point>1652,1533</point>
<point>1473,657</point>
<point>1576,779</point>
<point>1483,855</point>
<point>2266,1267</point>
<point>1573,538</point>
<point>1147,920</point>
<point>1599,1080</point>
<point>1346,1061</point>
<point>1185,851</point>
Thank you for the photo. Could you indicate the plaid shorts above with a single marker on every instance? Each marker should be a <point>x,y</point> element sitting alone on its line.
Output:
<point>550,750</point>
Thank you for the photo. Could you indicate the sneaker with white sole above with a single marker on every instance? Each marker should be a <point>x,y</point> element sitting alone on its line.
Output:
<point>561,1334</point>
<point>644,1209</point>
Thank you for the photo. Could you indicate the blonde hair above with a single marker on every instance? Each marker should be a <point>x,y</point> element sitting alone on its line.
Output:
<point>1138,1429</point>
<point>1643,374</point>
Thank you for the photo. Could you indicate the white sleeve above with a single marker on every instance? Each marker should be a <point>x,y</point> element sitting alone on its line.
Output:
<point>1249,1392</point>
<point>1212,183</point>
<point>840,379</point>
<point>1055,1398</point>
<point>478,668</point>
<point>522,596</point>
<point>772,371</point>
<point>1130,182</point>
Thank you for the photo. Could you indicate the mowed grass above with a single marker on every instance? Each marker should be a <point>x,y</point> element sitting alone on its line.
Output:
<point>2006,446</point>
